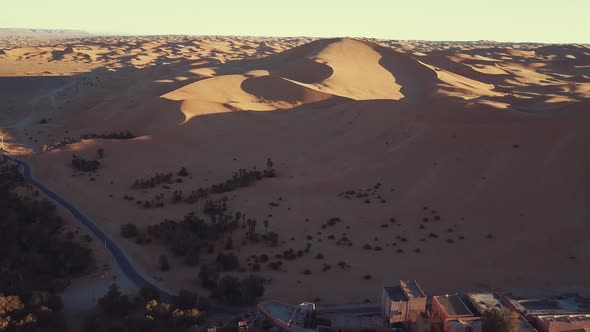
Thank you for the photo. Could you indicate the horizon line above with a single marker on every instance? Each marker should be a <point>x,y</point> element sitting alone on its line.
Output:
<point>127,34</point>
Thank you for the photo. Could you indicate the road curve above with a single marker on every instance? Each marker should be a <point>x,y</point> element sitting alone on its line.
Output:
<point>121,257</point>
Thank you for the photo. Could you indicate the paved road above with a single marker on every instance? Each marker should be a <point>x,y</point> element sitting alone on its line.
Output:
<point>125,264</point>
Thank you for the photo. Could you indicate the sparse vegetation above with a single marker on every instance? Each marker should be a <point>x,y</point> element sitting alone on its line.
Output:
<point>164,264</point>
<point>153,181</point>
<point>227,262</point>
<point>84,165</point>
<point>129,231</point>
<point>69,140</point>
<point>121,135</point>
<point>275,266</point>
<point>118,312</point>
<point>500,320</point>
<point>115,303</point>
<point>233,291</point>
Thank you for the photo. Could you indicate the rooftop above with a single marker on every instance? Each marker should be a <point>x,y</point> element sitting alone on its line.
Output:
<point>453,305</point>
<point>565,318</point>
<point>462,323</point>
<point>396,293</point>
<point>412,289</point>
<point>525,326</point>
<point>476,322</point>
<point>556,305</point>
<point>278,310</point>
<point>485,301</point>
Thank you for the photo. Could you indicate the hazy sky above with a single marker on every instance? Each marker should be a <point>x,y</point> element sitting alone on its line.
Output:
<point>501,20</point>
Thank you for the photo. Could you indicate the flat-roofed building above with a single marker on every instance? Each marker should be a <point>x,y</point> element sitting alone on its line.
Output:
<point>449,307</point>
<point>482,302</point>
<point>403,303</point>
<point>423,323</point>
<point>473,324</point>
<point>558,305</point>
<point>562,323</point>
<point>355,324</point>
<point>394,304</point>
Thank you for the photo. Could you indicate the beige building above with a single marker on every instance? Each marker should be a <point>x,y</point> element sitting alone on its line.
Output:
<point>563,323</point>
<point>448,307</point>
<point>483,302</point>
<point>423,323</point>
<point>403,303</point>
<point>341,323</point>
<point>569,312</point>
<point>473,324</point>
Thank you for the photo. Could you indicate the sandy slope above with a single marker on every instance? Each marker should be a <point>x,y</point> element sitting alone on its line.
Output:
<point>479,139</point>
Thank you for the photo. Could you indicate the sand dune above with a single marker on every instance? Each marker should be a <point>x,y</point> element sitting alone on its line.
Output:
<point>277,89</point>
<point>476,151</point>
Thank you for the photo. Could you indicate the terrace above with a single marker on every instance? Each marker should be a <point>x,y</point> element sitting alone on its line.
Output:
<point>452,306</point>
<point>556,305</point>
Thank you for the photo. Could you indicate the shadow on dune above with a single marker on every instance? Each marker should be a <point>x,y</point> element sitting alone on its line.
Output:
<point>304,71</point>
<point>418,82</point>
<point>278,89</point>
<point>134,98</point>
<point>447,64</point>
<point>138,107</point>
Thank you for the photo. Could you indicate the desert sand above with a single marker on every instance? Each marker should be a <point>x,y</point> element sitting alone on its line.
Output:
<point>473,155</point>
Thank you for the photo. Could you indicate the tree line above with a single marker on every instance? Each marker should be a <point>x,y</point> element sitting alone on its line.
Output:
<point>240,179</point>
<point>36,261</point>
<point>70,140</point>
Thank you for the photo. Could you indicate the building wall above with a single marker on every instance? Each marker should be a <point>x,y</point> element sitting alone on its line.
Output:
<point>437,312</point>
<point>557,326</point>
<point>423,324</point>
<point>398,312</point>
<point>415,307</point>
<point>385,304</point>
<point>462,326</point>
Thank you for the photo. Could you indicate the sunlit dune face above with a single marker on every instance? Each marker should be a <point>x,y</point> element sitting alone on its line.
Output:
<point>17,150</point>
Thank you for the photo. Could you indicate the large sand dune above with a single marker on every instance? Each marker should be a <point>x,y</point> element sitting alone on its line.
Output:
<point>472,156</point>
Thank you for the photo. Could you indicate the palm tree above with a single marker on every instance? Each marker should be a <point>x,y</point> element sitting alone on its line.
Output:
<point>252,227</point>
<point>266,227</point>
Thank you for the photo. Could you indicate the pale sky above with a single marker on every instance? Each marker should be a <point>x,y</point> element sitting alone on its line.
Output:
<point>565,21</point>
